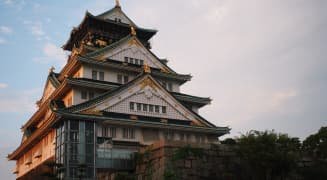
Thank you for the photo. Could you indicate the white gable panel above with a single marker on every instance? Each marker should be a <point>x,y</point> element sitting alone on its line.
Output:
<point>141,97</point>
<point>134,51</point>
<point>146,91</point>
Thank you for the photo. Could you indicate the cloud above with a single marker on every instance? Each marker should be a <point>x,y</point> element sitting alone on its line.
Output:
<point>52,53</point>
<point>3,85</point>
<point>2,41</point>
<point>19,101</point>
<point>5,30</point>
<point>36,28</point>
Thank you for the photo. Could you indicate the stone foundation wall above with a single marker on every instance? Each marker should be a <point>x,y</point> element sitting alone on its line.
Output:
<point>178,160</point>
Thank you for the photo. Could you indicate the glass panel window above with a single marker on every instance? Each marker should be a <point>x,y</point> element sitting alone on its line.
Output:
<point>170,87</point>
<point>101,76</point>
<point>113,132</point>
<point>94,75</point>
<point>125,79</point>
<point>141,62</point>
<point>156,108</point>
<point>145,107</point>
<point>128,133</point>
<point>151,108</point>
<point>164,109</point>
<point>126,59</point>
<point>136,61</point>
<point>131,60</point>
<point>120,78</point>
<point>84,95</point>
<point>138,106</point>
<point>131,106</point>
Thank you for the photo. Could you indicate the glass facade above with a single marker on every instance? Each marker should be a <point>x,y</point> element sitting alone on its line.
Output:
<point>75,157</point>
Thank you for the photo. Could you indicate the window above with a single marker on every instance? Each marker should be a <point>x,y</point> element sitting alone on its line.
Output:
<point>91,95</point>
<point>164,84</point>
<point>84,95</point>
<point>151,108</point>
<point>101,76</point>
<point>141,62</point>
<point>131,60</point>
<point>128,133</point>
<point>170,87</point>
<point>109,132</point>
<point>156,107</point>
<point>138,106</point>
<point>136,61</point>
<point>126,59</point>
<point>145,107</point>
<point>94,75</point>
<point>164,109</point>
<point>131,106</point>
<point>120,78</point>
<point>125,79</point>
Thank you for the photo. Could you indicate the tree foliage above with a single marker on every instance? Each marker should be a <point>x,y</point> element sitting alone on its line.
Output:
<point>268,155</point>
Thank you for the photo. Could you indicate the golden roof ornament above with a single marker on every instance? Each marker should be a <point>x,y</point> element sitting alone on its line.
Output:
<point>146,68</point>
<point>51,70</point>
<point>133,32</point>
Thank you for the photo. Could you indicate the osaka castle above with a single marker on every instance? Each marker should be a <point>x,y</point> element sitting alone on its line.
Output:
<point>112,97</point>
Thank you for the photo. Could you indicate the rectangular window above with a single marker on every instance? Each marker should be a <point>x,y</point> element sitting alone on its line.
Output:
<point>128,133</point>
<point>156,107</point>
<point>126,59</point>
<point>131,60</point>
<point>141,62</point>
<point>136,61</point>
<point>151,108</point>
<point>145,107</point>
<point>131,106</point>
<point>120,78</point>
<point>113,132</point>
<point>94,75</point>
<point>170,87</point>
<point>164,109</point>
<point>164,84</point>
<point>101,76</point>
<point>138,106</point>
<point>125,79</point>
<point>91,95</point>
<point>84,95</point>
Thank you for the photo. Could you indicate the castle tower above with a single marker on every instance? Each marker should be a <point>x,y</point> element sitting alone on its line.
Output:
<point>113,97</point>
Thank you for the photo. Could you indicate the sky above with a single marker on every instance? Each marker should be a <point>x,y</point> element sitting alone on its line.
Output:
<point>263,62</point>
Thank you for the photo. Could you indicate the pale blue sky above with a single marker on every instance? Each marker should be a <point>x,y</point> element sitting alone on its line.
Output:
<point>262,62</point>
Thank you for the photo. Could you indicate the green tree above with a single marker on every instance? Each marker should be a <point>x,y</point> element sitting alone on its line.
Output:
<point>268,155</point>
<point>314,150</point>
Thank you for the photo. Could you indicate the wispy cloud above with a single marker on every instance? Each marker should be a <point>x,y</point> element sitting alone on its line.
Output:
<point>3,85</point>
<point>36,28</point>
<point>5,30</point>
<point>52,53</point>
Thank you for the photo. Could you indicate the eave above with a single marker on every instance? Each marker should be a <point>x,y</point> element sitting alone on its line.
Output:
<point>219,131</point>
